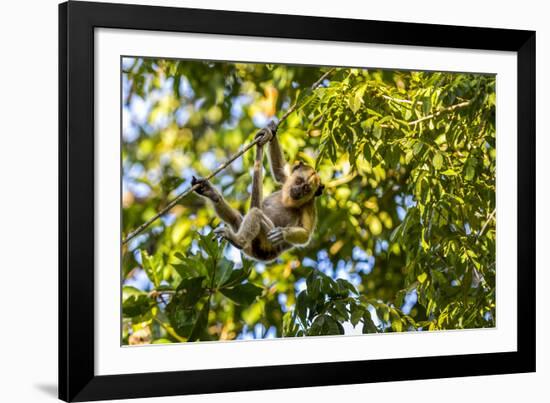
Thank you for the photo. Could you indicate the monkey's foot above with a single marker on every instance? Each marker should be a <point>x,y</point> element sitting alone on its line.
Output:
<point>276,236</point>
<point>228,235</point>
<point>266,135</point>
<point>205,189</point>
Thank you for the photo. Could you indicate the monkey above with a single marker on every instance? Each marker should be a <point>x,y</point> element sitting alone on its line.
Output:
<point>283,220</point>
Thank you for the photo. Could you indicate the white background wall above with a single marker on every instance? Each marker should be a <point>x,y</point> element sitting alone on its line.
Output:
<point>28,169</point>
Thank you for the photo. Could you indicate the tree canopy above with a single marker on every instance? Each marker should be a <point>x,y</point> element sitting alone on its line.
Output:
<point>405,239</point>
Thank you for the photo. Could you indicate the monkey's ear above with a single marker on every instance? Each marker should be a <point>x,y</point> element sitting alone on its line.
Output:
<point>319,190</point>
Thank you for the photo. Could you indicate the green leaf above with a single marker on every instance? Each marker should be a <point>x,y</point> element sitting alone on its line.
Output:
<point>339,311</point>
<point>455,197</point>
<point>328,285</point>
<point>397,325</point>
<point>209,244</point>
<point>356,99</point>
<point>344,287</point>
<point>189,292</point>
<point>383,313</point>
<point>396,322</point>
<point>470,169</point>
<point>199,328</point>
<point>325,325</point>
<point>373,112</point>
<point>243,294</point>
<point>426,105</point>
<point>400,297</point>
<point>247,265</point>
<point>150,268</point>
<point>236,277</point>
<point>180,255</point>
<point>289,325</point>
<point>367,152</point>
<point>181,318</point>
<point>302,303</point>
<point>449,172</point>
<point>438,161</point>
<point>354,102</point>
<point>223,271</point>
<point>422,277</point>
<point>423,239</point>
<point>136,306</point>
<point>417,148</point>
<point>356,315</point>
<point>128,291</point>
<point>368,324</point>
<point>377,131</point>
<point>313,283</point>
<point>190,267</point>
<point>467,284</point>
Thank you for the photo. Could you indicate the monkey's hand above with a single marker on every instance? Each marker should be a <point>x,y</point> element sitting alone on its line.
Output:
<point>205,189</point>
<point>277,235</point>
<point>222,232</point>
<point>225,233</point>
<point>292,235</point>
<point>266,134</point>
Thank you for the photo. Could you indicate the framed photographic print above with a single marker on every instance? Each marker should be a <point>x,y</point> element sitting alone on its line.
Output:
<point>258,201</point>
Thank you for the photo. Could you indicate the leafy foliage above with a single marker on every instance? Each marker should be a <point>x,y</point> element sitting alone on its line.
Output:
<point>407,235</point>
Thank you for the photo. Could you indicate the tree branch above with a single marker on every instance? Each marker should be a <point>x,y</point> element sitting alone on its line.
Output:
<point>438,113</point>
<point>482,230</point>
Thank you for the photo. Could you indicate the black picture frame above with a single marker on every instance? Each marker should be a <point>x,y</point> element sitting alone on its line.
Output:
<point>77,21</point>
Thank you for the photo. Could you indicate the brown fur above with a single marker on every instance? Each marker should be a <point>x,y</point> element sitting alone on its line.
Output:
<point>281,221</point>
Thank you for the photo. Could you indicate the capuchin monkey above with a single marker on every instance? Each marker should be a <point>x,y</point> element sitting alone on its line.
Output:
<point>281,221</point>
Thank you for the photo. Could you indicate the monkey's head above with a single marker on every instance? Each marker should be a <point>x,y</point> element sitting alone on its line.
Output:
<point>301,186</point>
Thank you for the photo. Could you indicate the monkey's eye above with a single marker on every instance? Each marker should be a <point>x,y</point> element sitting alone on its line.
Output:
<point>299,181</point>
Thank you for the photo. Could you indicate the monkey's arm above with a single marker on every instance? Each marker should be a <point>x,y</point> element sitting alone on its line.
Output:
<point>227,214</point>
<point>293,235</point>
<point>296,235</point>
<point>257,185</point>
<point>300,235</point>
<point>277,161</point>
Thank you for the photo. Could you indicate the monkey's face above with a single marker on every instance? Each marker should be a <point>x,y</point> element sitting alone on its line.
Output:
<point>302,185</point>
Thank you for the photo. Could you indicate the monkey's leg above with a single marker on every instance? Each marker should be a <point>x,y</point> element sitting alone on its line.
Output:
<point>252,225</point>
<point>226,213</point>
<point>255,204</point>
<point>295,235</point>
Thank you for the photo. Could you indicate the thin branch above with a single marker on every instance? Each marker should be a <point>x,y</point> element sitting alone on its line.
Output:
<point>436,114</point>
<point>491,216</point>
<point>191,189</point>
<point>403,101</point>
<point>158,293</point>
<point>175,201</point>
